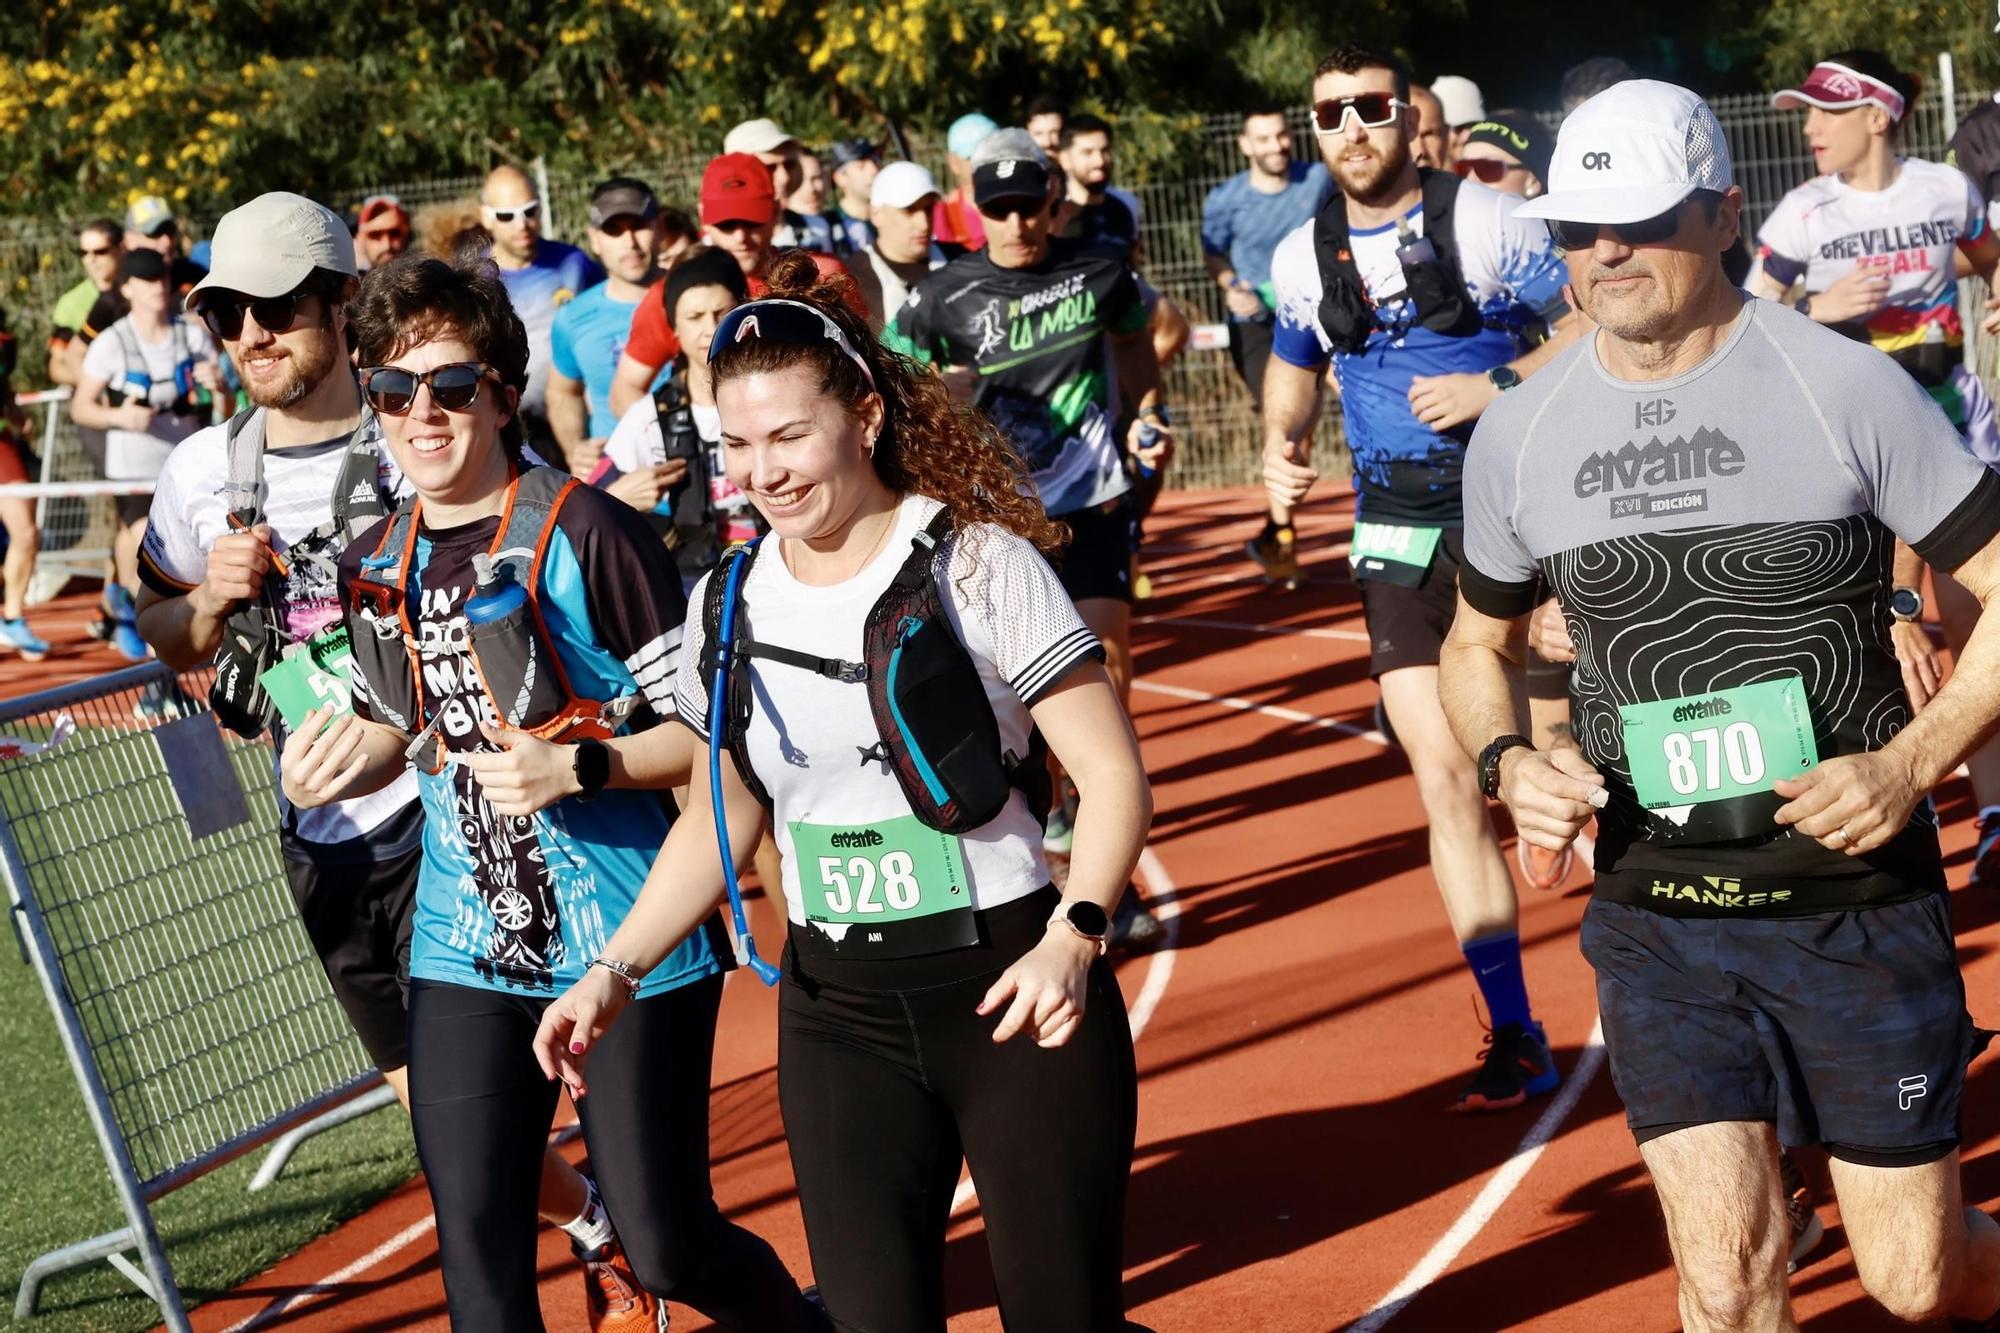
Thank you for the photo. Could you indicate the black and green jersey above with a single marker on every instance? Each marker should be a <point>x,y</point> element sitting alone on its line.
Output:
<point>1036,336</point>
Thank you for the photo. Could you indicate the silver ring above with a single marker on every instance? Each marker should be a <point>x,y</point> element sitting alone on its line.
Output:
<point>1846,839</point>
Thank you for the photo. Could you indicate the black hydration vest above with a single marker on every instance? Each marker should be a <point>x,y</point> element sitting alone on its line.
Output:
<point>935,727</point>
<point>1436,289</point>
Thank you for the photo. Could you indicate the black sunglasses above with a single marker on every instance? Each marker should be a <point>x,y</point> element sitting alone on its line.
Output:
<point>1646,231</point>
<point>392,391</point>
<point>223,313</point>
<point>1374,110</point>
<point>1488,170</point>
<point>999,210</point>
<point>100,253</point>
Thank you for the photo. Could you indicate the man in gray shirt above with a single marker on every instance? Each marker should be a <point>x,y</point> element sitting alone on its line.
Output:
<point>1713,485</point>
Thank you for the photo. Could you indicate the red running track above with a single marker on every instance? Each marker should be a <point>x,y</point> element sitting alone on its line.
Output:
<point>1295,1159</point>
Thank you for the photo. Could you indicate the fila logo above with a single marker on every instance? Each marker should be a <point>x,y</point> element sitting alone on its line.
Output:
<point>747,329</point>
<point>1911,1088</point>
<point>1653,412</point>
<point>1596,161</point>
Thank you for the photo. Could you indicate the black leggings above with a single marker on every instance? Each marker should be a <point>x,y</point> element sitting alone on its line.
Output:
<point>482,1110</point>
<point>886,1076</point>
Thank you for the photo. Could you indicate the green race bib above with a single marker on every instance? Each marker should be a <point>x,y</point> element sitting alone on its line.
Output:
<point>1717,746</point>
<point>1393,553</point>
<point>311,675</point>
<point>891,887</point>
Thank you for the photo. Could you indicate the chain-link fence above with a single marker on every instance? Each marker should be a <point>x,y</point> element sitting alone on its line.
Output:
<point>139,844</point>
<point>1220,438</point>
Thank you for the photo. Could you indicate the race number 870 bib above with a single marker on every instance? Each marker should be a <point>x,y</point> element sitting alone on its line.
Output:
<point>1720,745</point>
<point>890,887</point>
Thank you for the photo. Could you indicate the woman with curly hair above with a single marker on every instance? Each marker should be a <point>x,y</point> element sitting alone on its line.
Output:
<point>941,998</point>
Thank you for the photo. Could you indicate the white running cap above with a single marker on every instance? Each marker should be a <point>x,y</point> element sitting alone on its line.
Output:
<point>1461,99</point>
<point>270,245</point>
<point>901,185</point>
<point>761,135</point>
<point>1630,153</point>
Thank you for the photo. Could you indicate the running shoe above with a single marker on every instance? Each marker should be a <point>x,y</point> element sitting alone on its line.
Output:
<point>1276,550</point>
<point>1543,868</point>
<point>613,1298</point>
<point>1986,861</point>
<point>1514,1066</point>
<point>16,635</point>
<point>1134,928</point>
<point>1142,587</point>
<point>1807,1229</point>
<point>118,607</point>
<point>1059,834</point>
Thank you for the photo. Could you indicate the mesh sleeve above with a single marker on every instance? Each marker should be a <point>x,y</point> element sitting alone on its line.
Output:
<point>1014,612</point>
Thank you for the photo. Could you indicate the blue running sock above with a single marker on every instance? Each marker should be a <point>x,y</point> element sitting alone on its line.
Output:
<point>1496,963</point>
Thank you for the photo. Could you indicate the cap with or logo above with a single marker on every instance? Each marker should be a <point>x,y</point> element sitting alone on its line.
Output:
<point>1631,153</point>
<point>149,215</point>
<point>379,206</point>
<point>273,243</point>
<point>761,135</point>
<point>147,265</point>
<point>902,185</point>
<point>1833,87</point>
<point>622,197</point>
<point>965,134</point>
<point>847,152</point>
<point>1461,99</point>
<point>1518,134</point>
<point>1008,165</point>
<point>737,188</point>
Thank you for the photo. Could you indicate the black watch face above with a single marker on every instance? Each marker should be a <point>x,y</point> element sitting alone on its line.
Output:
<point>1088,918</point>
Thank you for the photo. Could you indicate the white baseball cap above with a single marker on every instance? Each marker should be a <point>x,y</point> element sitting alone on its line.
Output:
<point>761,135</point>
<point>901,185</point>
<point>1630,153</point>
<point>271,244</point>
<point>1461,99</point>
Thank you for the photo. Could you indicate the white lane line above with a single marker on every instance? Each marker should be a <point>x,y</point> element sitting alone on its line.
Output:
<point>1164,897</point>
<point>1504,1182</point>
<point>1298,631</point>
<point>1368,734</point>
<point>329,1284</point>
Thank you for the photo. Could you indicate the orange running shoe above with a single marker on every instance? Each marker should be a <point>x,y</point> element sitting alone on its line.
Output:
<point>613,1298</point>
<point>1543,868</point>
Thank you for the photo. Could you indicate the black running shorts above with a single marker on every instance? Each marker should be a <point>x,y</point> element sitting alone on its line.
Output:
<point>1098,561</point>
<point>1406,626</point>
<point>1846,1029</point>
<point>358,918</point>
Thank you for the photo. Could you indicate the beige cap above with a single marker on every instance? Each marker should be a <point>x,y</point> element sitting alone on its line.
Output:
<point>756,136</point>
<point>269,246</point>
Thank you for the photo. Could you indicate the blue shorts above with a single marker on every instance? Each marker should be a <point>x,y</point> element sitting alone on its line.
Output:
<point>1846,1029</point>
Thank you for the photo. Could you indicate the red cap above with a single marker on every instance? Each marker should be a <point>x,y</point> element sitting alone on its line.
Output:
<point>737,188</point>
<point>378,205</point>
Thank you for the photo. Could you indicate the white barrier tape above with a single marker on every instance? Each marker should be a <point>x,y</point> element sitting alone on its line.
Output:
<point>73,490</point>
<point>40,396</point>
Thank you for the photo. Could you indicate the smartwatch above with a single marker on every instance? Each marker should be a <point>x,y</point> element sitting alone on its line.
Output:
<point>592,769</point>
<point>1489,761</point>
<point>1086,920</point>
<point>1906,604</point>
<point>1504,378</point>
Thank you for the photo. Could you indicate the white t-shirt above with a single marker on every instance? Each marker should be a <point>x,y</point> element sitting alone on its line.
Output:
<point>163,366</point>
<point>1008,609</point>
<point>636,442</point>
<point>190,512</point>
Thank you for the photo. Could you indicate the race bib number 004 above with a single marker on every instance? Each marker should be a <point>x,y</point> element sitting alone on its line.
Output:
<point>1415,547</point>
<point>888,871</point>
<point>1716,746</point>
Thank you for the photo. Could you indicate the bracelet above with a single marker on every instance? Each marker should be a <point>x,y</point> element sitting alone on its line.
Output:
<point>625,972</point>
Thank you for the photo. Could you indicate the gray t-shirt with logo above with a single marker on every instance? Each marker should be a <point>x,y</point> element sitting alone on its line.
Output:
<point>1713,537</point>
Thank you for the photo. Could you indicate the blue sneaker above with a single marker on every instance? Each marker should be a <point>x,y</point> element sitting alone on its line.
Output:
<point>16,635</point>
<point>1515,1066</point>
<point>125,638</point>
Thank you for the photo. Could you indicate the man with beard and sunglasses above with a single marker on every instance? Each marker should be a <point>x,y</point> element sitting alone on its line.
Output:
<point>1424,292</point>
<point>276,301</point>
<point>541,276</point>
<point>1714,486</point>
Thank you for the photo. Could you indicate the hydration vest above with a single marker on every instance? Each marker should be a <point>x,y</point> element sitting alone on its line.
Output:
<point>1437,290</point>
<point>935,726</point>
<point>135,384</point>
<point>526,684</point>
<point>253,634</point>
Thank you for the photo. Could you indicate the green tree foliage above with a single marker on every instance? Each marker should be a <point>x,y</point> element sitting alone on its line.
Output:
<point>1909,32</point>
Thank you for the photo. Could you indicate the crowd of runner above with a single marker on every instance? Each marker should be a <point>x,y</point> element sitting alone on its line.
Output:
<point>568,583</point>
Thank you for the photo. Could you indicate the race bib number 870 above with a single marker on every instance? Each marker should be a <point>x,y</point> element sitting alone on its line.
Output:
<point>1713,747</point>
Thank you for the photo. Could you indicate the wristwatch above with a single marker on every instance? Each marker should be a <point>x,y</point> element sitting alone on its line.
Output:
<point>1504,377</point>
<point>1086,920</point>
<point>1489,761</point>
<point>592,769</point>
<point>1906,604</point>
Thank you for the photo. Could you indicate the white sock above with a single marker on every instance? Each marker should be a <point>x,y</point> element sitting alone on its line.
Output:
<point>592,1227</point>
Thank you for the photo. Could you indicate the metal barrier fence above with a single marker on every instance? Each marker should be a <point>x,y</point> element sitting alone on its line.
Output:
<point>141,856</point>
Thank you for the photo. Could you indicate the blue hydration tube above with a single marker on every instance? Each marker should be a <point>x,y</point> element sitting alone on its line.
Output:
<point>718,718</point>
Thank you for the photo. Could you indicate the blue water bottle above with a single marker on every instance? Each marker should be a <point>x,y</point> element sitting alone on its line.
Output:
<point>1149,435</point>
<point>508,648</point>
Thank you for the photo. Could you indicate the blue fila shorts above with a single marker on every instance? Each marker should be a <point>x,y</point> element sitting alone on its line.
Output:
<point>1845,1029</point>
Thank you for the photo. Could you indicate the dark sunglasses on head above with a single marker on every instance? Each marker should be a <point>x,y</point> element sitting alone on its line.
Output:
<point>223,312</point>
<point>392,391</point>
<point>1373,110</point>
<point>1488,170</point>
<point>1646,231</point>
<point>531,209</point>
<point>775,319</point>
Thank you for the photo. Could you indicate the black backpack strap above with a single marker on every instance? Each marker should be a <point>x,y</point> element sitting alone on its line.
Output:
<point>736,692</point>
<point>1344,309</point>
<point>1440,203</point>
<point>243,448</point>
<point>357,490</point>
